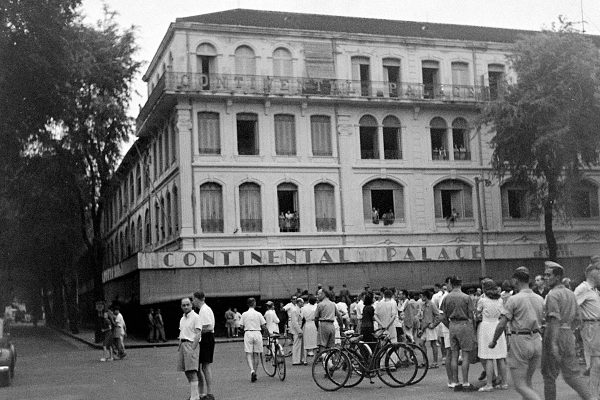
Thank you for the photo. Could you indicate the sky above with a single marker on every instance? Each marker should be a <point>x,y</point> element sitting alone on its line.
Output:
<point>152,17</point>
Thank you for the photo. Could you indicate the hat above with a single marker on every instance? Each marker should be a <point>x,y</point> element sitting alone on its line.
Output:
<point>552,264</point>
<point>269,303</point>
<point>488,284</point>
<point>522,269</point>
<point>455,281</point>
<point>300,300</point>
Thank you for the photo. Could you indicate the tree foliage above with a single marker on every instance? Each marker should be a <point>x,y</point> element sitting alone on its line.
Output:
<point>547,122</point>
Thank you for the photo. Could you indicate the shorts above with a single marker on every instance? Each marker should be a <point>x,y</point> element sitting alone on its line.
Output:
<point>207,347</point>
<point>326,334</point>
<point>187,357</point>
<point>462,335</point>
<point>590,334</point>
<point>253,342</point>
<point>430,334</point>
<point>524,350</point>
<point>230,323</point>
<point>445,335</point>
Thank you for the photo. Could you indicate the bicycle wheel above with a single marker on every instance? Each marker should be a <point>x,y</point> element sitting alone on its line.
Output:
<point>280,361</point>
<point>357,372</point>
<point>422,362</point>
<point>331,369</point>
<point>400,364</point>
<point>267,359</point>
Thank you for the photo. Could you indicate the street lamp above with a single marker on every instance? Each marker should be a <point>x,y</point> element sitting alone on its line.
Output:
<point>487,182</point>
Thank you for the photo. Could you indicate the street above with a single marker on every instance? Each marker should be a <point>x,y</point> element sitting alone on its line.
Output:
<point>51,366</point>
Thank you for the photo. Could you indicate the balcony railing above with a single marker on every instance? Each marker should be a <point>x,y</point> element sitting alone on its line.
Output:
<point>291,224</point>
<point>462,155</point>
<point>326,224</point>
<point>323,87</point>
<point>251,225</point>
<point>211,225</point>
<point>393,154</point>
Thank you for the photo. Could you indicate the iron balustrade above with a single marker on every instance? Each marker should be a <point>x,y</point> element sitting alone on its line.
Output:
<point>299,86</point>
<point>251,224</point>
<point>326,224</point>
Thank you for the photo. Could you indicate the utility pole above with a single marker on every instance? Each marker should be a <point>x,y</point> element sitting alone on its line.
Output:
<point>480,226</point>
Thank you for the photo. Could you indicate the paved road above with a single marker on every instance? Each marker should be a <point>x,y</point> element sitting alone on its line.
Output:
<point>54,367</point>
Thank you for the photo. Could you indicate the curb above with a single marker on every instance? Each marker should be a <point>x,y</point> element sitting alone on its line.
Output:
<point>134,345</point>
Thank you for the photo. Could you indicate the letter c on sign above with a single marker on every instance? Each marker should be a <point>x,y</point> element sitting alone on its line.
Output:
<point>189,259</point>
<point>166,260</point>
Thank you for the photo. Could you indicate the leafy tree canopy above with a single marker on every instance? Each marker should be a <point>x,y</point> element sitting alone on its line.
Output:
<point>547,122</point>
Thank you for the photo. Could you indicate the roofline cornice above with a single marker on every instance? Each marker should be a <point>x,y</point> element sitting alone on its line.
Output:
<point>161,49</point>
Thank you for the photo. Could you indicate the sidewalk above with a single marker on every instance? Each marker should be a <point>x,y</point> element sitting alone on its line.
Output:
<point>131,342</point>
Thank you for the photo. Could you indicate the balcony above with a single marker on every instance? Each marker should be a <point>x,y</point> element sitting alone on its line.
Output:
<point>232,84</point>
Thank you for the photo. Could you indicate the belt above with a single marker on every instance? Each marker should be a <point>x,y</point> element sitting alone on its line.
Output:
<point>185,340</point>
<point>458,319</point>
<point>326,320</point>
<point>525,332</point>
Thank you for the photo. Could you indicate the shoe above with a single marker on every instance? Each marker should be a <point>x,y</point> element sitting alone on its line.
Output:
<point>482,376</point>
<point>486,388</point>
<point>468,388</point>
<point>433,366</point>
<point>253,377</point>
<point>110,359</point>
<point>452,385</point>
<point>103,359</point>
<point>305,363</point>
<point>458,387</point>
<point>502,386</point>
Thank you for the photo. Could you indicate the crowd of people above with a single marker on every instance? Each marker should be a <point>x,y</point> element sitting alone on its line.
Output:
<point>497,325</point>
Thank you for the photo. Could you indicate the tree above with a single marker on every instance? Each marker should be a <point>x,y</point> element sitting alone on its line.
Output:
<point>97,124</point>
<point>546,123</point>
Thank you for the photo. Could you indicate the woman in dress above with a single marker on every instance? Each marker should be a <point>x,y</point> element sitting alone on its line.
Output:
<point>367,325</point>
<point>489,308</point>
<point>309,329</point>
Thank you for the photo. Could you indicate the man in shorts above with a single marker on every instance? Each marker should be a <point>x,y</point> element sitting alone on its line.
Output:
<point>207,345</point>
<point>325,314</point>
<point>253,324</point>
<point>559,349</point>
<point>588,301</point>
<point>190,333</point>
<point>523,312</point>
<point>458,317</point>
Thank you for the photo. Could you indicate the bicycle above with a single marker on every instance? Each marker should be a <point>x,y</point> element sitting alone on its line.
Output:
<point>346,366</point>
<point>272,358</point>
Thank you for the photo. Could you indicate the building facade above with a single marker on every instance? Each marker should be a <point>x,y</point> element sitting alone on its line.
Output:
<point>279,150</point>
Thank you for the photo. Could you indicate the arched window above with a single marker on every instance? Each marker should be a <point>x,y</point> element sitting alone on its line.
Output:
<point>245,61</point>
<point>157,213</point>
<point>282,62</point>
<point>162,218</point>
<point>211,207</point>
<point>175,210</point>
<point>127,244</point>
<point>140,239</point>
<point>392,140</point>
<point>169,216</point>
<point>453,200</point>
<point>147,225</point>
<point>167,137</point>
<point>138,179</point>
<point>369,143</point>
<point>133,241</point>
<point>206,59</point>
<point>287,200</point>
<point>439,139</point>
<point>122,252</point>
<point>325,207</point>
<point>460,139</point>
<point>250,207</point>
<point>383,202</point>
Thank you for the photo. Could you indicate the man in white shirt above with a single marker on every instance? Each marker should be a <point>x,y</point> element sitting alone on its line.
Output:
<point>359,311</point>
<point>190,332</point>
<point>387,312</point>
<point>207,344</point>
<point>253,324</point>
